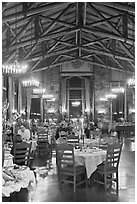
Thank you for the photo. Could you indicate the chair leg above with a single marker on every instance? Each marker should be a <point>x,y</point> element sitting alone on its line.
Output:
<point>117,182</point>
<point>60,177</point>
<point>74,180</point>
<point>105,181</point>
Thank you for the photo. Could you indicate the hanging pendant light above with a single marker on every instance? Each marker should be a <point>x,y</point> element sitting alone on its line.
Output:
<point>75,103</point>
<point>131,81</point>
<point>111,96</point>
<point>118,90</point>
<point>31,83</point>
<point>15,68</point>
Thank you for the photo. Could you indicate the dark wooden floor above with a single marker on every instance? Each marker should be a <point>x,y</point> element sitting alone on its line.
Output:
<point>47,189</point>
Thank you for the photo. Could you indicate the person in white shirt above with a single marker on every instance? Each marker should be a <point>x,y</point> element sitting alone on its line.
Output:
<point>25,133</point>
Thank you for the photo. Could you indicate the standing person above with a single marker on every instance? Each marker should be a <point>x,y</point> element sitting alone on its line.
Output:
<point>87,131</point>
<point>25,133</point>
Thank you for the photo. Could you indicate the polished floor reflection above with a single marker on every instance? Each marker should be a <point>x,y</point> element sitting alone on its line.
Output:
<point>47,189</point>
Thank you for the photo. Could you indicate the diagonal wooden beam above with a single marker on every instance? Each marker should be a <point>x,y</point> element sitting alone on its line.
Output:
<point>54,54</point>
<point>43,38</point>
<point>98,59</point>
<point>106,53</point>
<point>22,31</point>
<point>54,23</point>
<point>50,27</point>
<point>94,42</point>
<point>114,58</point>
<point>106,21</point>
<point>86,60</point>
<point>30,51</point>
<point>104,33</point>
<point>63,42</point>
<point>104,66</point>
<point>123,46</point>
<point>56,20</point>
<point>120,6</point>
<point>34,11</point>
<point>99,22</point>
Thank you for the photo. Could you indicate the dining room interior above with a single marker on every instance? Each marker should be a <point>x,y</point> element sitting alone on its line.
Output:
<point>68,101</point>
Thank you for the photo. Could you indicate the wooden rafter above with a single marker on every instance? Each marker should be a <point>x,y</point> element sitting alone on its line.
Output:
<point>73,30</point>
<point>34,11</point>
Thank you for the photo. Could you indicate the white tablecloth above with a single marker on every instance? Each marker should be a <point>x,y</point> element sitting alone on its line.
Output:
<point>8,160</point>
<point>90,159</point>
<point>24,177</point>
<point>91,142</point>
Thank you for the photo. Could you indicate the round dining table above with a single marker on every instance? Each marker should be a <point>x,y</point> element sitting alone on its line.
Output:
<point>90,158</point>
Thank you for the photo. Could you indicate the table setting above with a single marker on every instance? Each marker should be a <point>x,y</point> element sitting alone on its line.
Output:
<point>90,157</point>
<point>16,177</point>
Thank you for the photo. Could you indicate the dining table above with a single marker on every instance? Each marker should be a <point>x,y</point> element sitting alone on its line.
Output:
<point>90,142</point>
<point>90,158</point>
<point>16,177</point>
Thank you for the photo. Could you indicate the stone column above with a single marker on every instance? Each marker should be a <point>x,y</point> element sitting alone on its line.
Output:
<point>41,109</point>
<point>87,96</point>
<point>63,96</point>
<point>19,97</point>
<point>125,102</point>
<point>10,96</point>
<point>28,102</point>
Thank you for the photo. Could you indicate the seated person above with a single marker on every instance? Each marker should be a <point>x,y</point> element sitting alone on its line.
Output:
<point>61,140</point>
<point>25,133</point>
<point>17,140</point>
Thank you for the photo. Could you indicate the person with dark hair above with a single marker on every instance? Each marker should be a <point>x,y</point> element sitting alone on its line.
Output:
<point>87,131</point>
<point>9,133</point>
<point>16,140</point>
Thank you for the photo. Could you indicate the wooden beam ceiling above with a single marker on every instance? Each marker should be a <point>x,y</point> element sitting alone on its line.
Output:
<point>72,30</point>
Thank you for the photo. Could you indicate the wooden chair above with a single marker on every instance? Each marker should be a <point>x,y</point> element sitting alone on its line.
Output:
<point>68,172</point>
<point>109,168</point>
<point>72,139</point>
<point>22,153</point>
<point>43,146</point>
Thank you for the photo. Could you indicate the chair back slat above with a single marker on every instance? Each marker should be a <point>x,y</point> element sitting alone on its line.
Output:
<point>65,155</point>
<point>22,153</point>
<point>113,154</point>
<point>72,139</point>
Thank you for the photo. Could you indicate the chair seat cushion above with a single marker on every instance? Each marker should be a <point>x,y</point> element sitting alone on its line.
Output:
<point>69,168</point>
<point>109,168</point>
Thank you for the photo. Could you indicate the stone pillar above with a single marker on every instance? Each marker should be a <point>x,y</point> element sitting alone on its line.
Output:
<point>28,103</point>
<point>87,96</point>
<point>10,96</point>
<point>19,97</point>
<point>93,99</point>
<point>125,102</point>
<point>41,109</point>
<point>63,96</point>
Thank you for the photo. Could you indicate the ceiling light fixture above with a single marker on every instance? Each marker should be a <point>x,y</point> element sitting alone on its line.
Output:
<point>30,83</point>
<point>75,103</point>
<point>15,68</point>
